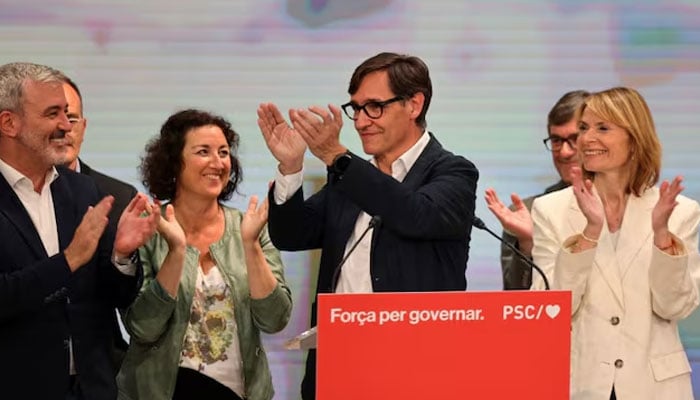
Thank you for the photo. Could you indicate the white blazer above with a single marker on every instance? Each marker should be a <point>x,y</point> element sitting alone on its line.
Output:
<point>626,300</point>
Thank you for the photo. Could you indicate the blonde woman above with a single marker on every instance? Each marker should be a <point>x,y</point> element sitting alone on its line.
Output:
<point>627,250</point>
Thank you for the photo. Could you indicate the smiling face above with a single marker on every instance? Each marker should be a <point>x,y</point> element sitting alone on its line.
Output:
<point>392,134</point>
<point>43,123</point>
<point>206,163</point>
<point>565,158</point>
<point>603,146</point>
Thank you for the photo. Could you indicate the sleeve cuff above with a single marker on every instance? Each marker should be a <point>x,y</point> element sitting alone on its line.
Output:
<point>126,266</point>
<point>287,185</point>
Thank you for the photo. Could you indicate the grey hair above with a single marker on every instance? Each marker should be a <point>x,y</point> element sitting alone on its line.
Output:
<point>13,77</point>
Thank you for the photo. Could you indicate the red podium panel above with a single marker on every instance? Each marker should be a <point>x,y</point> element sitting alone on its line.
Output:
<point>444,345</point>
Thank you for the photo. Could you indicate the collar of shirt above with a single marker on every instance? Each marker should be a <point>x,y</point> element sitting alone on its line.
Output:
<point>403,164</point>
<point>16,178</point>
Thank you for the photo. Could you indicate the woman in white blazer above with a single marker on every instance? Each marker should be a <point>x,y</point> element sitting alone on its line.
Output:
<point>628,252</point>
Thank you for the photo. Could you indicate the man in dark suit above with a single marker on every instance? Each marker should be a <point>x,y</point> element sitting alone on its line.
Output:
<point>416,197</point>
<point>61,271</point>
<point>122,192</point>
<point>562,132</point>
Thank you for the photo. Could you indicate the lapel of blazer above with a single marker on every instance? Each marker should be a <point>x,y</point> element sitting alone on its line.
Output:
<point>636,228</point>
<point>349,212</point>
<point>84,168</point>
<point>63,205</point>
<point>13,209</point>
<point>416,174</point>
<point>605,260</point>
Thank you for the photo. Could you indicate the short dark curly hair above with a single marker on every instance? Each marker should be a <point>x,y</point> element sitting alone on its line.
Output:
<point>162,162</point>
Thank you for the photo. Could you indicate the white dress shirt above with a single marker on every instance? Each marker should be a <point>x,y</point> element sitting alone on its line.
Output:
<point>39,206</point>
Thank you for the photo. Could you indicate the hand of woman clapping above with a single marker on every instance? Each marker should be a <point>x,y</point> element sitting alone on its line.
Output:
<point>591,206</point>
<point>171,269</point>
<point>171,230</point>
<point>254,220</point>
<point>663,209</point>
<point>587,199</point>
<point>261,281</point>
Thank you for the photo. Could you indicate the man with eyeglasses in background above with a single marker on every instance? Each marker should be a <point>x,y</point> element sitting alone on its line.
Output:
<point>122,192</point>
<point>562,128</point>
<point>417,198</point>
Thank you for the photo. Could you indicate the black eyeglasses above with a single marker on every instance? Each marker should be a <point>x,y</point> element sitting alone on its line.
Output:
<point>555,143</point>
<point>373,109</point>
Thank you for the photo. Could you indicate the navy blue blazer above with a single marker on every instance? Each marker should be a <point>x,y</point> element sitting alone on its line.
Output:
<point>43,304</point>
<point>123,192</point>
<point>422,242</point>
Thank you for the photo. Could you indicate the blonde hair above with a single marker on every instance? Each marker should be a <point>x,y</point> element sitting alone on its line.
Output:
<point>626,108</point>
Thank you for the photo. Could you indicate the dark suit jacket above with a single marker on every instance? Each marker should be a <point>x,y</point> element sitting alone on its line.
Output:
<point>122,192</point>
<point>517,274</point>
<point>43,304</point>
<point>422,242</point>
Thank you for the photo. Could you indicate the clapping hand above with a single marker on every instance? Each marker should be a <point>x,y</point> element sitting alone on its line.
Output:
<point>516,221</point>
<point>170,229</point>
<point>587,198</point>
<point>88,234</point>
<point>137,224</point>
<point>663,209</point>
<point>254,220</point>
<point>320,129</point>
<point>285,144</point>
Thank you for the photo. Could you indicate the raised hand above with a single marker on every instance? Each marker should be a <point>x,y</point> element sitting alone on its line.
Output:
<point>170,229</point>
<point>517,222</point>
<point>254,220</point>
<point>137,224</point>
<point>320,129</point>
<point>285,144</point>
<point>87,235</point>
<point>663,209</point>
<point>588,201</point>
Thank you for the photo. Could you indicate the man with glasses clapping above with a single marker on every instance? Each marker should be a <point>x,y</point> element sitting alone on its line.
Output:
<point>562,132</point>
<point>415,197</point>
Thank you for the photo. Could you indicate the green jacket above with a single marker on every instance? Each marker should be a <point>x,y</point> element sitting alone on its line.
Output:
<point>157,322</point>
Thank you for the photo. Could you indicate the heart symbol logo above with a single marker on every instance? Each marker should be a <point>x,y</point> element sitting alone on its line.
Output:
<point>552,310</point>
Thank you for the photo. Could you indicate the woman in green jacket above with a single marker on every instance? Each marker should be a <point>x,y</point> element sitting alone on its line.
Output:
<point>212,278</point>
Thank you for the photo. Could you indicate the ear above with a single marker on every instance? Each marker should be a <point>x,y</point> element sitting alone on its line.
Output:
<point>9,123</point>
<point>416,102</point>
